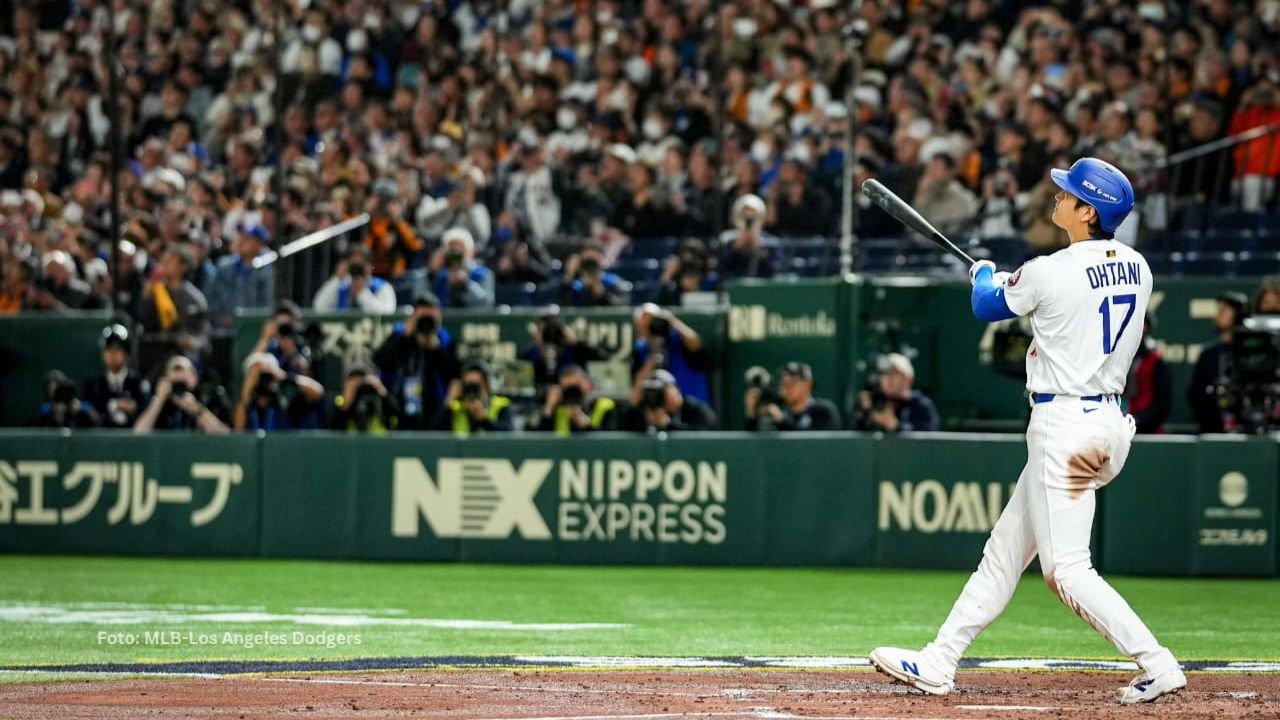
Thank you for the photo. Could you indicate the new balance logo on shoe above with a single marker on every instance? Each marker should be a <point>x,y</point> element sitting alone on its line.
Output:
<point>911,668</point>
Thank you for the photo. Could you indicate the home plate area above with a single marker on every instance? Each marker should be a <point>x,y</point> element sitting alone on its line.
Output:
<point>564,688</point>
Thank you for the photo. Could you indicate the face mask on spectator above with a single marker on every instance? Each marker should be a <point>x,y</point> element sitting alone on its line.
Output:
<point>761,152</point>
<point>373,21</point>
<point>357,41</point>
<point>409,17</point>
<point>800,151</point>
<point>566,118</point>
<point>652,128</point>
<point>310,33</point>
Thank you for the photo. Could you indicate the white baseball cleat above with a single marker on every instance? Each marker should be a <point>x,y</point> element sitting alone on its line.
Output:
<point>1145,688</point>
<point>911,668</point>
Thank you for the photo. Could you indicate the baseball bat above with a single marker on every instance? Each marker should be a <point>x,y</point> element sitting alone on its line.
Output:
<point>907,215</point>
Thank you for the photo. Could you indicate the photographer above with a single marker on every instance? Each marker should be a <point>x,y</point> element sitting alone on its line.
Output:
<point>572,406</point>
<point>119,393</point>
<point>272,400</point>
<point>588,282</point>
<point>456,278</point>
<point>61,408</point>
<point>421,357</point>
<point>175,405</point>
<point>661,407</point>
<point>893,406</point>
<point>1211,378</point>
<point>689,270</point>
<point>284,337</point>
<point>354,287</point>
<point>391,241</point>
<point>748,252</point>
<point>472,409</point>
<point>555,347</point>
<point>663,342</point>
<point>1150,387</point>
<point>364,406</point>
<point>793,407</point>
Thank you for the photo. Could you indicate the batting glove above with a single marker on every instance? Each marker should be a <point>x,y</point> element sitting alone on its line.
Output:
<point>974,268</point>
<point>1001,278</point>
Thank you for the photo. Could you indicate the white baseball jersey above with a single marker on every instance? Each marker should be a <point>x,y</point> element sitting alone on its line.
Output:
<point>1087,304</point>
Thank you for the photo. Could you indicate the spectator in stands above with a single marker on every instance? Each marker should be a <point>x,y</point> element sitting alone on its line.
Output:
<point>555,347</point>
<point>1211,377</point>
<point>355,287</point>
<point>120,392</point>
<point>685,272</point>
<point>472,407</point>
<point>573,407</point>
<point>588,281</point>
<point>420,360</point>
<point>1150,387</point>
<point>697,197</point>
<point>894,406</point>
<point>170,304</point>
<point>794,407</point>
<point>942,199</point>
<point>798,207</point>
<point>748,252</point>
<point>61,408</point>
<point>1267,300</point>
<point>365,405</point>
<point>60,289</point>
<point>456,278</point>
<point>660,406</point>
<point>1257,162</point>
<point>15,295</point>
<point>530,194</point>
<point>642,214</point>
<point>176,404</point>
<point>272,399</point>
<point>237,283</point>
<point>391,241</point>
<point>664,342</point>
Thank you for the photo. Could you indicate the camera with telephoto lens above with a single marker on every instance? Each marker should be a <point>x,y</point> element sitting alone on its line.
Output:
<point>453,259</point>
<point>426,326</point>
<point>659,327</point>
<point>1252,389</point>
<point>179,387</point>
<point>589,266</point>
<point>59,390</point>
<point>655,394</point>
<point>268,386</point>
<point>472,391</point>
<point>758,378</point>
<point>573,395</point>
<point>367,406</point>
<point>551,331</point>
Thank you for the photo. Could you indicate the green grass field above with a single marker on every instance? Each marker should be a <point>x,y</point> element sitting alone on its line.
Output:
<point>53,608</point>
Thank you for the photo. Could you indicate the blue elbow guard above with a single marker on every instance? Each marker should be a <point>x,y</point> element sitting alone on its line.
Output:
<point>988,300</point>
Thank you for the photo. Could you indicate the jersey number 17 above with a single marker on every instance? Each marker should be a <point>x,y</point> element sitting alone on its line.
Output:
<point>1130,299</point>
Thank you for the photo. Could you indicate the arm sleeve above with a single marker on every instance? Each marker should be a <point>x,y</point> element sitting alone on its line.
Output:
<point>988,299</point>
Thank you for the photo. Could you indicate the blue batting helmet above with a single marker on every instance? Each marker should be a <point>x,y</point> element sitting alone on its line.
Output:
<point>1101,185</point>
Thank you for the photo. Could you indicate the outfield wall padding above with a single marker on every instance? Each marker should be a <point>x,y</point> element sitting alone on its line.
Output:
<point>1181,507</point>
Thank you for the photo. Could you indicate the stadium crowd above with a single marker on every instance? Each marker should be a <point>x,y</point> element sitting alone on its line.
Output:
<point>497,144</point>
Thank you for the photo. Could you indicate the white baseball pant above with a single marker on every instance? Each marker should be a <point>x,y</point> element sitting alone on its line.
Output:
<point>1074,447</point>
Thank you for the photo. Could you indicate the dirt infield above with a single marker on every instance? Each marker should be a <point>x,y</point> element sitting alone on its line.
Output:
<point>633,694</point>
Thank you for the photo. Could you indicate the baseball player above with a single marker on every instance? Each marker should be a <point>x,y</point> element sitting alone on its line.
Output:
<point>1086,304</point>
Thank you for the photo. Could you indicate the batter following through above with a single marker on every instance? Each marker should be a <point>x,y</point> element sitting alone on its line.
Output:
<point>1086,304</point>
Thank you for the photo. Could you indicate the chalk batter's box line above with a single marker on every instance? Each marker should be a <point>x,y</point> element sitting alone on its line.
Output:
<point>666,663</point>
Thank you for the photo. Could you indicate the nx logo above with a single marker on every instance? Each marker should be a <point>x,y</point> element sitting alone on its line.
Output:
<point>471,498</point>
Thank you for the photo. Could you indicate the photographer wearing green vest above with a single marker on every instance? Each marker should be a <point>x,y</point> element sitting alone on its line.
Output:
<point>471,409</point>
<point>571,406</point>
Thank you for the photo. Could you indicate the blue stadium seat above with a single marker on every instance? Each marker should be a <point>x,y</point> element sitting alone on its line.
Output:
<point>1159,261</point>
<point>639,269</point>
<point>1230,239</point>
<point>1205,263</point>
<point>515,294</point>
<point>1258,263</point>
<point>652,248</point>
